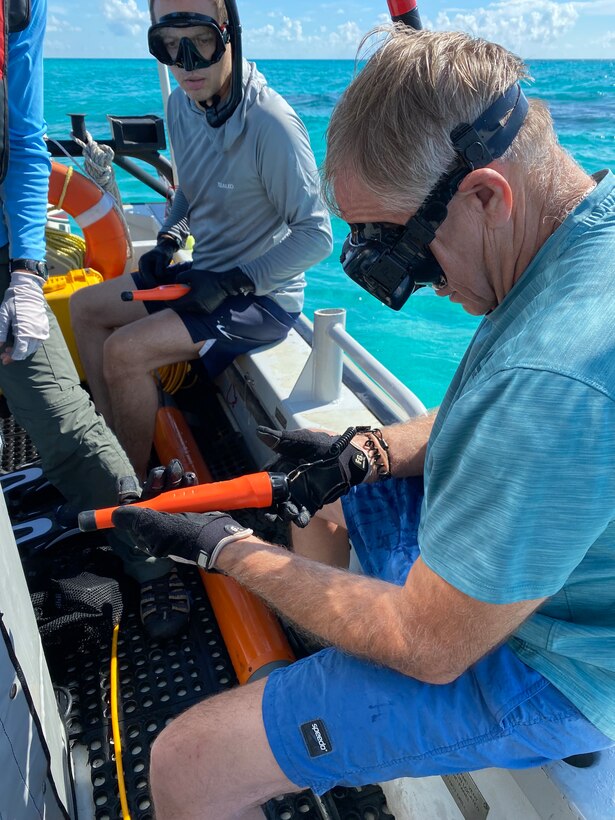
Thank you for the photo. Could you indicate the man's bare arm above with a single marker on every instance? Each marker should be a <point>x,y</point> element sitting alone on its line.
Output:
<point>400,448</point>
<point>408,443</point>
<point>426,629</point>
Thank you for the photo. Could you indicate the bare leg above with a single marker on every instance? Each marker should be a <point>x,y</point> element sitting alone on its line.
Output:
<point>214,761</point>
<point>95,313</point>
<point>130,354</point>
<point>325,539</point>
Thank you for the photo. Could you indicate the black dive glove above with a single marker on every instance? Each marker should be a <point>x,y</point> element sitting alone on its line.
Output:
<point>159,480</point>
<point>154,265</point>
<point>208,288</point>
<point>320,468</point>
<point>190,538</point>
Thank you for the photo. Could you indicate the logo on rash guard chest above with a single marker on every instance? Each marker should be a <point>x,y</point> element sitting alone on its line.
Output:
<point>316,738</point>
<point>226,185</point>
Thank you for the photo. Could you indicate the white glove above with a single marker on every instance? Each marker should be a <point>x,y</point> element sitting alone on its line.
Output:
<point>23,311</point>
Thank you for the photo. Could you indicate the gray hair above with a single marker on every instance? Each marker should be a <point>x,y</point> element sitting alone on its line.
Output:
<point>391,128</point>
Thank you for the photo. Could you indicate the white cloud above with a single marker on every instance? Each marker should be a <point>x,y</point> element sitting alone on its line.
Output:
<point>55,25</point>
<point>607,40</point>
<point>273,39</point>
<point>290,30</point>
<point>516,23</point>
<point>346,34</point>
<point>596,7</point>
<point>124,18</point>
<point>521,25</point>
<point>266,31</point>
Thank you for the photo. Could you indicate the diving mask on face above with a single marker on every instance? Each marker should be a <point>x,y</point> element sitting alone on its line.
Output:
<point>392,261</point>
<point>189,41</point>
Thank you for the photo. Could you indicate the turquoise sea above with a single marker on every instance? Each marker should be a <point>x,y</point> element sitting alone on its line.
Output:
<point>423,343</point>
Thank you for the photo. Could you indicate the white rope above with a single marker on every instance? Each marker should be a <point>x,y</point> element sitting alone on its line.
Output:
<point>99,167</point>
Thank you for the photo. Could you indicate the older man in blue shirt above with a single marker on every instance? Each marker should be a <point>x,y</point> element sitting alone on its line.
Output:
<point>484,632</point>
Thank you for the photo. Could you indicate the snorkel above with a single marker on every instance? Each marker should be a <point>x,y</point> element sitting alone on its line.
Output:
<point>217,114</point>
<point>406,12</point>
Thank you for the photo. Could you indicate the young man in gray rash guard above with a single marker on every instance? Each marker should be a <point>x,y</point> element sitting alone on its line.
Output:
<point>249,194</point>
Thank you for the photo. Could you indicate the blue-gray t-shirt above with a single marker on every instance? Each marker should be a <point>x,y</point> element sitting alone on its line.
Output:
<point>520,467</point>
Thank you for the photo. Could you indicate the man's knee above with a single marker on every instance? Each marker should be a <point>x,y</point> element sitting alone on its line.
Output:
<point>100,306</point>
<point>124,356</point>
<point>162,755</point>
<point>197,734</point>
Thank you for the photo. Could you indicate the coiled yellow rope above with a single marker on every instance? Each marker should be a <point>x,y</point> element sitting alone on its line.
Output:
<point>65,251</point>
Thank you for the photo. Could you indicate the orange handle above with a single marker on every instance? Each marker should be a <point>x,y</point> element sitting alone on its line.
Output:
<point>163,293</point>
<point>253,490</point>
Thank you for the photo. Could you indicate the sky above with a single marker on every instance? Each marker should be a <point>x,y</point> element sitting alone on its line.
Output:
<point>281,29</point>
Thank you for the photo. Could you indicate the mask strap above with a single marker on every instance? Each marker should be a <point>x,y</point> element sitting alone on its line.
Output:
<point>477,145</point>
<point>487,138</point>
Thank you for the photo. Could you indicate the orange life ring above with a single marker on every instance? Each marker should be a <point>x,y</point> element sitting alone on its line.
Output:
<point>93,210</point>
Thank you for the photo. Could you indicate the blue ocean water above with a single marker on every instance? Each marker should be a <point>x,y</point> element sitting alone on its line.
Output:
<point>423,343</point>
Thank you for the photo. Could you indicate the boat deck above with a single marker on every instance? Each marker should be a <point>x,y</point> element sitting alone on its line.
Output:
<point>156,681</point>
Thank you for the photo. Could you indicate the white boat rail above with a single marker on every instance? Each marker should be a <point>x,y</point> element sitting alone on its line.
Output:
<point>321,378</point>
<point>165,90</point>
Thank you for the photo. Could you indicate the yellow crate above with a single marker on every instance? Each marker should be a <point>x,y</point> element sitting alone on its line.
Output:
<point>58,290</point>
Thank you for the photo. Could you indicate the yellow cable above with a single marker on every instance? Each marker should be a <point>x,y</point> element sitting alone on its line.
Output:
<point>172,376</point>
<point>117,740</point>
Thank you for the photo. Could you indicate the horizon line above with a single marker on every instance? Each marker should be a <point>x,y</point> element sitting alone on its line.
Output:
<point>331,59</point>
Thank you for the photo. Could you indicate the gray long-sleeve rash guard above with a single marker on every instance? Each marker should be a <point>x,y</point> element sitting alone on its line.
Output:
<point>249,191</point>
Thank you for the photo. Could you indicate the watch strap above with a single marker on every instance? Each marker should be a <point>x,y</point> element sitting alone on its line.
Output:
<point>36,266</point>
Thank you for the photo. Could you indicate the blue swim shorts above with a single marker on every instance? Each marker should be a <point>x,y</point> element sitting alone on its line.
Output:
<point>332,719</point>
<point>240,324</point>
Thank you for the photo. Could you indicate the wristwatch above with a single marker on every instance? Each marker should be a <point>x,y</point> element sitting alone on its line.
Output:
<point>32,266</point>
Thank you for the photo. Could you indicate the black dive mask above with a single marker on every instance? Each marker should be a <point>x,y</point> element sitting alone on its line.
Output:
<point>392,261</point>
<point>189,41</point>
<point>192,41</point>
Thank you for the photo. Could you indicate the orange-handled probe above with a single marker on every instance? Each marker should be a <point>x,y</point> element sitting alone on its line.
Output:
<point>163,293</point>
<point>252,490</point>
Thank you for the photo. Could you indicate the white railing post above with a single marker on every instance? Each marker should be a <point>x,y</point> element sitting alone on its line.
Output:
<point>320,381</point>
<point>328,362</point>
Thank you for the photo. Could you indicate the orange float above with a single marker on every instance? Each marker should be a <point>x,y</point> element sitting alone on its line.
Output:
<point>94,210</point>
<point>253,636</point>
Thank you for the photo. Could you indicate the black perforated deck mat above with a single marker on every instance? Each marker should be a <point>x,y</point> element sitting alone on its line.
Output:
<point>158,681</point>
<point>17,447</point>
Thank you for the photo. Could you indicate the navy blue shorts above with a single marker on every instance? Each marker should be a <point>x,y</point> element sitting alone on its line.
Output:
<point>332,719</point>
<point>240,324</point>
